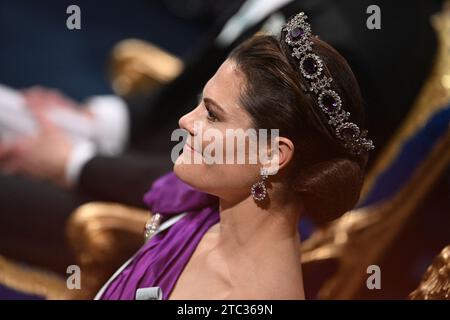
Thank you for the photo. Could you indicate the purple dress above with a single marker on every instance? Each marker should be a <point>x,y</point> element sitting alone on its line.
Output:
<point>162,259</point>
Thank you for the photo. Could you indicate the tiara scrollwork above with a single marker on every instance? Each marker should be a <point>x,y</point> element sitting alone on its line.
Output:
<point>312,68</point>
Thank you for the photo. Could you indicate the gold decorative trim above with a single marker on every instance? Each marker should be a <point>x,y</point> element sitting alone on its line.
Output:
<point>103,236</point>
<point>32,281</point>
<point>137,65</point>
<point>435,284</point>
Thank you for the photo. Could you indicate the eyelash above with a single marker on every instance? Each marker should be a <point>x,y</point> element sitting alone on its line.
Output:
<point>211,115</point>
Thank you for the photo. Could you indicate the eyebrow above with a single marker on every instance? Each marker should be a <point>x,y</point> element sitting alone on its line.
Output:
<point>211,101</point>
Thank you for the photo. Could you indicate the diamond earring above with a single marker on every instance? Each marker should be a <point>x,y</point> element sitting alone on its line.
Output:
<point>259,190</point>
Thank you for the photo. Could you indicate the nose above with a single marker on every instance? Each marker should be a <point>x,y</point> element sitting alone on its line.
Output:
<point>187,122</point>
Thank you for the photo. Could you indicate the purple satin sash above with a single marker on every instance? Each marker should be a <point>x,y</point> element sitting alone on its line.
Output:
<point>162,259</point>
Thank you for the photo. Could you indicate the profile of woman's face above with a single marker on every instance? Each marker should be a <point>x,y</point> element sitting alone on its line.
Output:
<point>211,160</point>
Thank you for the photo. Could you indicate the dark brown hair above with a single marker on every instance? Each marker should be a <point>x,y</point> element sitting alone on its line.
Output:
<point>323,173</point>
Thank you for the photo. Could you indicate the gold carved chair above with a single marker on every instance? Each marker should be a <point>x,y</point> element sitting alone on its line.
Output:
<point>435,284</point>
<point>33,282</point>
<point>103,236</point>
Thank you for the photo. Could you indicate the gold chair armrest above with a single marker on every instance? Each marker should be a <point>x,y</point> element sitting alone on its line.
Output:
<point>103,236</point>
<point>33,281</point>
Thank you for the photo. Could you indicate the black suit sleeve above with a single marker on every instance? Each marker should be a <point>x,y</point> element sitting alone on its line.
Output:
<point>122,179</point>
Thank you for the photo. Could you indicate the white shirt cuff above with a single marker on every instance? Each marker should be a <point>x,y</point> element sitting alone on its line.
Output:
<point>111,123</point>
<point>82,152</point>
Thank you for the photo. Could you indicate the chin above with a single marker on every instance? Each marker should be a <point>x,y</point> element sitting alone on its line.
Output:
<point>192,174</point>
<point>181,171</point>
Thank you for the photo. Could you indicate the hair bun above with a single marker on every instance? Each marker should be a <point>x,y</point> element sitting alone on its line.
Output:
<point>329,189</point>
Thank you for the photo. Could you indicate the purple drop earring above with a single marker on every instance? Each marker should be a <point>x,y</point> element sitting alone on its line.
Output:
<point>259,189</point>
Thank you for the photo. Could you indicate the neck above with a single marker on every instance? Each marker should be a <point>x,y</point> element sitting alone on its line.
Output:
<point>245,225</point>
<point>261,246</point>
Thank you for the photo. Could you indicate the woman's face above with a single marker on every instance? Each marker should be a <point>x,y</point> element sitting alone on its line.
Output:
<point>210,161</point>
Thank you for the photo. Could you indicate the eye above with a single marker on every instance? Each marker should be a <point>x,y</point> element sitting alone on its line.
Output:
<point>211,115</point>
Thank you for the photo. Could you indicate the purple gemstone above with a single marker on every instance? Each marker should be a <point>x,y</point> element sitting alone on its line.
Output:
<point>258,191</point>
<point>310,65</point>
<point>297,33</point>
<point>348,132</point>
<point>329,102</point>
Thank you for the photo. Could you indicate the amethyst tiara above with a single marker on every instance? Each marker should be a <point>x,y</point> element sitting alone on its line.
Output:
<point>298,36</point>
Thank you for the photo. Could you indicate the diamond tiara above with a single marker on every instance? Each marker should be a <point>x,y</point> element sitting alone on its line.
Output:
<point>298,36</point>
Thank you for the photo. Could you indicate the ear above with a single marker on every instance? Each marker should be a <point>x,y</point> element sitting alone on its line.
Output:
<point>281,153</point>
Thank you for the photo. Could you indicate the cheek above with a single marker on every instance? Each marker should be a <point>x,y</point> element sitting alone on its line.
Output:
<point>241,148</point>
<point>239,176</point>
<point>219,179</point>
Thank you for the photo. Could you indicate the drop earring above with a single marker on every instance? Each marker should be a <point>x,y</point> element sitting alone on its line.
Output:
<point>259,189</point>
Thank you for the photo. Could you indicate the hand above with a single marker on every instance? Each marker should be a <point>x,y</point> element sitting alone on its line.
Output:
<point>42,98</point>
<point>43,155</point>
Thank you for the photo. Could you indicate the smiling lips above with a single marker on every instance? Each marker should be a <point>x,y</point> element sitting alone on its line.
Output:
<point>189,148</point>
